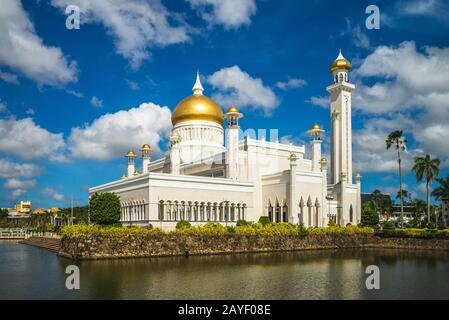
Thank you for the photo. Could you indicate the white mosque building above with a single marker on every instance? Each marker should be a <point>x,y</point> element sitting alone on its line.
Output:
<point>202,179</point>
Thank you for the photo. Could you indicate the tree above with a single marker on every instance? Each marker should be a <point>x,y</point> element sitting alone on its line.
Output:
<point>405,194</point>
<point>370,216</point>
<point>418,211</point>
<point>396,139</point>
<point>3,213</point>
<point>442,192</point>
<point>430,169</point>
<point>105,208</point>
<point>80,214</point>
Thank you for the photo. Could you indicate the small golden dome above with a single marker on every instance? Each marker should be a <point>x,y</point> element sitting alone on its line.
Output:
<point>233,109</point>
<point>135,173</point>
<point>315,127</point>
<point>197,107</point>
<point>323,161</point>
<point>145,147</point>
<point>340,63</point>
<point>130,154</point>
<point>293,156</point>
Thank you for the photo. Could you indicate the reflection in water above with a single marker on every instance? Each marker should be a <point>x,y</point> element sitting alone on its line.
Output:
<point>31,273</point>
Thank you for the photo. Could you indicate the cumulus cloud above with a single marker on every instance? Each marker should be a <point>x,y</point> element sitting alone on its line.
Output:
<point>18,187</point>
<point>14,183</point>
<point>3,107</point>
<point>49,192</point>
<point>113,134</point>
<point>231,13</point>
<point>235,86</point>
<point>322,102</point>
<point>30,111</point>
<point>10,169</point>
<point>132,85</point>
<point>26,139</point>
<point>22,50</point>
<point>135,26</point>
<point>409,91</point>
<point>96,102</point>
<point>291,83</point>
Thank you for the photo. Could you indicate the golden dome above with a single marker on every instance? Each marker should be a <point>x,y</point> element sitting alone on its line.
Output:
<point>340,63</point>
<point>315,127</point>
<point>197,107</point>
<point>130,154</point>
<point>233,109</point>
<point>145,147</point>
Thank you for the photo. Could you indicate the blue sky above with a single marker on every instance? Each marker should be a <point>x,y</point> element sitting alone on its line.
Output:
<point>71,101</point>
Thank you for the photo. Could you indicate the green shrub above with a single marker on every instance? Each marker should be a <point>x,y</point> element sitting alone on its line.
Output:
<point>208,229</point>
<point>264,220</point>
<point>230,230</point>
<point>105,208</point>
<point>242,223</point>
<point>352,229</point>
<point>79,231</point>
<point>183,224</point>
<point>431,225</point>
<point>389,225</point>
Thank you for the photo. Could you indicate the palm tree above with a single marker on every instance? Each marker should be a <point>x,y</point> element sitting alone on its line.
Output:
<point>442,192</point>
<point>419,209</point>
<point>430,168</point>
<point>396,139</point>
<point>405,194</point>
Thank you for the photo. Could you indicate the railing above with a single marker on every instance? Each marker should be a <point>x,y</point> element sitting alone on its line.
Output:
<point>24,234</point>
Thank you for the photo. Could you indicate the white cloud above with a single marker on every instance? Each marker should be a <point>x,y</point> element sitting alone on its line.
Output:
<point>238,87</point>
<point>230,13</point>
<point>53,194</point>
<point>10,169</point>
<point>132,85</point>
<point>3,107</point>
<point>136,26</point>
<point>113,134</point>
<point>409,91</point>
<point>319,101</point>
<point>291,83</point>
<point>9,77</point>
<point>75,93</point>
<point>18,187</point>
<point>22,50</point>
<point>26,139</point>
<point>30,111</point>
<point>14,183</point>
<point>96,102</point>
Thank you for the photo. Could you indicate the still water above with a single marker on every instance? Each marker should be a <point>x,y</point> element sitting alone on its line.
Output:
<point>32,273</point>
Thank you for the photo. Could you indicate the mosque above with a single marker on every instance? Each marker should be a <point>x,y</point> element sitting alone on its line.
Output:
<point>201,178</point>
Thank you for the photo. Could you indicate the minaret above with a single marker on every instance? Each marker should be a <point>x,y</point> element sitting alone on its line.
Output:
<point>293,192</point>
<point>341,128</point>
<point>316,134</point>
<point>146,157</point>
<point>131,163</point>
<point>232,138</point>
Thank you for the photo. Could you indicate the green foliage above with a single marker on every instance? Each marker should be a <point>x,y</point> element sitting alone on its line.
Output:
<point>78,231</point>
<point>105,208</point>
<point>210,229</point>
<point>3,213</point>
<point>331,223</point>
<point>370,216</point>
<point>241,223</point>
<point>431,225</point>
<point>352,229</point>
<point>80,214</point>
<point>415,233</point>
<point>264,220</point>
<point>388,225</point>
<point>183,224</point>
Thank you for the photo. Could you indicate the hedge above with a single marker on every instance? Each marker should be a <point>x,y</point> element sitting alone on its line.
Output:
<point>209,229</point>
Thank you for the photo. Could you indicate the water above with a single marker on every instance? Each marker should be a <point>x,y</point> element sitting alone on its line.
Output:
<point>32,273</point>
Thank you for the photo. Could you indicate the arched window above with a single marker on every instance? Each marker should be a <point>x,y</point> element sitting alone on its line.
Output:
<point>233,212</point>
<point>270,211</point>
<point>309,212</point>
<point>317,208</point>
<point>351,214</point>
<point>285,213</point>
<point>341,77</point>
<point>161,210</point>
<point>278,212</point>
<point>301,211</point>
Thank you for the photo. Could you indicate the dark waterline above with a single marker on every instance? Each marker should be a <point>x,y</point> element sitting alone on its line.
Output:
<point>31,273</point>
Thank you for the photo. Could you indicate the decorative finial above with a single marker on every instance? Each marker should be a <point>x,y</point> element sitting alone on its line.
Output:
<point>197,87</point>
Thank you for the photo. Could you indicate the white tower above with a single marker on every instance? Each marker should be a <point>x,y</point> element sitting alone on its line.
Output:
<point>131,156</point>
<point>340,106</point>
<point>175,159</point>
<point>316,134</point>
<point>232,138</point>
<point>146,157</point>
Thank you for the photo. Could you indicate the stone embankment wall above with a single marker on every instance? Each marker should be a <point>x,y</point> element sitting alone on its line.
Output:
<point>177,245</point>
